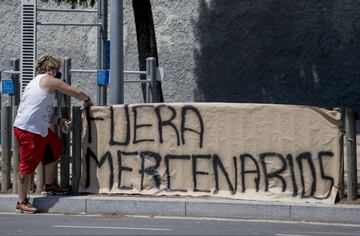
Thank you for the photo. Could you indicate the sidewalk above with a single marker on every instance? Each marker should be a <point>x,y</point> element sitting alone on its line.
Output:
<point>185,207</point>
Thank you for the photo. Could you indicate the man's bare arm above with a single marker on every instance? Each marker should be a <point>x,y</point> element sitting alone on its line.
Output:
<point>51,84</point>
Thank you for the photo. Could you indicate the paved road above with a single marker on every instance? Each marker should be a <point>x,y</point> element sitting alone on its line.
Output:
<point>45,224</point>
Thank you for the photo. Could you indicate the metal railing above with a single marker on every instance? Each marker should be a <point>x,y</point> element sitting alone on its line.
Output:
<point>30,25</point>
<point>150,81</point>
<point>71,151</point>
<point>66,10</point>
<point>68,24</point>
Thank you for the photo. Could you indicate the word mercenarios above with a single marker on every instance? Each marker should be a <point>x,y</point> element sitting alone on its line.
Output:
<point>238,151</point>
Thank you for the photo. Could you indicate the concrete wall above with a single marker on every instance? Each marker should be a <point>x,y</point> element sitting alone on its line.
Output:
<point>75,42</point>
<point>264,51</point>
<point>175,43</point>
<point>276,51</point>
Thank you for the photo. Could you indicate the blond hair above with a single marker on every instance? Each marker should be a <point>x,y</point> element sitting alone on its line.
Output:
<point>47,63</point>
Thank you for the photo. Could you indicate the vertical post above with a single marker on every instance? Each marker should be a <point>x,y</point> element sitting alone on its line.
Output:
<point>67,77</point>
<point>40,177</point>
<point>6,147</point>
<point>116,53</point>
<point>151,75</point>
<point>102,38</point>
<point>342,165</point>
<point>352,187</point>
<point>342,174</point>
<point>16,155</point>
<point>76,148</point>
<point>0,111</point>
<point>147,85</point>
<point>14,65</point>
<point>65,138</point>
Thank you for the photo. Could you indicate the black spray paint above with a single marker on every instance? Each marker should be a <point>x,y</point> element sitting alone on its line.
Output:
<point>250,168</point>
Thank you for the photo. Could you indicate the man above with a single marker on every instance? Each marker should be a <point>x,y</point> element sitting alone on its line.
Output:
<point>31,127</point>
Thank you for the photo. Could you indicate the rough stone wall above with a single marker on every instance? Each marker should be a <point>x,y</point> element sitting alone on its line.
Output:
<point>175,44</point>
<point>264,51</point>
<point>74,42</point>
<point>9,37</point>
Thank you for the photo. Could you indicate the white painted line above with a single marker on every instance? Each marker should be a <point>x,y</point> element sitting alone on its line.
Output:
<point>334,233</point>
<point>290,235</point>
<point>246,220</point>
<point>103,227</point>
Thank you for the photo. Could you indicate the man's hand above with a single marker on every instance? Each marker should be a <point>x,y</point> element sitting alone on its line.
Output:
<point>65,125</point>
<point>88,103</point>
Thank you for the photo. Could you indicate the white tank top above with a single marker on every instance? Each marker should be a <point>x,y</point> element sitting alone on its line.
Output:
<point>35,109</point>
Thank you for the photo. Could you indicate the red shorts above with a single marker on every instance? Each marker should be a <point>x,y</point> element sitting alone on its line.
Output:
<point>35,148</point>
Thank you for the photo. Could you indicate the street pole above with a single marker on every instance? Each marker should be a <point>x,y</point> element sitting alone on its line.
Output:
<point>151,74</point>
<point>65,137</point>
<point>102,38</point>
<point>350,128</point>
<point>14,65</point>
<point>6,147</point>
<point>116,53</point>
<point>76,149</point>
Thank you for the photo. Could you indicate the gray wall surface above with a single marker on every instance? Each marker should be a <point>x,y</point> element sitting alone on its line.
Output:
<point>174,35</point>
<point>277,51</point>
<point>262,51</point>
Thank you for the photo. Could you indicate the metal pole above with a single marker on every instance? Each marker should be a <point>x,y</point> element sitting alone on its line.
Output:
<point>131,72</point>
<point>68,24</point>
<point>151,70</point>
<point>137,81</point>
<point>16,154</point>
<point>341,174</point>
<point>40,171</point>
<point>147,85</point>
<point>66,10</point>
<point>67,78</point>
<point>65,138</point>
<point>6,147</point>
<point>15,100</point>
<point>76,149</point>
<point>116,53</point>
<point>83,71</point>
<point>102,38</point>
<point>14,65</point>
<point>352,187</point>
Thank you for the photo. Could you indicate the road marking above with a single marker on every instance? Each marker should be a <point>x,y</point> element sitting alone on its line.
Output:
<point>334,233</point>
<point>104,227</point>
<point>246,220</point>
<point>290,235</point>
<point>350,225</point>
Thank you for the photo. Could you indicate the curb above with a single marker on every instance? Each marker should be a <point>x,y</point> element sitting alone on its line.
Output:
<point>184,207</point>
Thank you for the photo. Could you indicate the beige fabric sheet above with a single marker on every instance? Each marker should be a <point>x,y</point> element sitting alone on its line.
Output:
<point>238,151</point>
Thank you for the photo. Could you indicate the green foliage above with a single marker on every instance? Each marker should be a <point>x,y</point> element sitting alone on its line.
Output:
<point>74,2</point>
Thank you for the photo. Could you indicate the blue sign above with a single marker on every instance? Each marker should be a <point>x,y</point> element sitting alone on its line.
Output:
<point>7,87</point>
<point>102,77</point>
<point>107,54</point>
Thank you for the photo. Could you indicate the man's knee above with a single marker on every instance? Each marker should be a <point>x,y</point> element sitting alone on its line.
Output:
<point>23,177</point>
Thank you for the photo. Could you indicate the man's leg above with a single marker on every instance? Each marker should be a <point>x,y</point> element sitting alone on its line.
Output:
<point>50,171</point>
<point>23,183</point>
<point>29,159</point>
<point>23,205</point>
<point>51,158</point>
<point>51,187</point>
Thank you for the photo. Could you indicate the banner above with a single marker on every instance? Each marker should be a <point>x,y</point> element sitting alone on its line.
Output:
<point>238,151</point>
